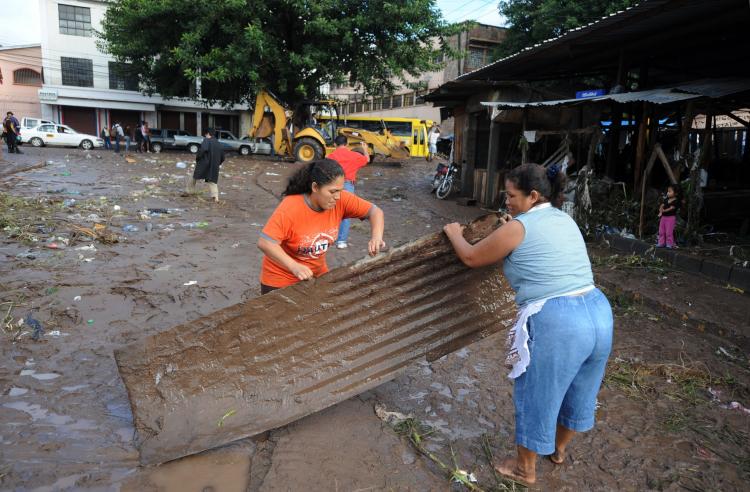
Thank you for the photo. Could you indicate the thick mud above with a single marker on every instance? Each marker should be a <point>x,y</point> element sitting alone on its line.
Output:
<point>667,420</point>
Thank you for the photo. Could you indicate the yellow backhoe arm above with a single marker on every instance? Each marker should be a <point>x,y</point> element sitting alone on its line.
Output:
<point>270,123</point>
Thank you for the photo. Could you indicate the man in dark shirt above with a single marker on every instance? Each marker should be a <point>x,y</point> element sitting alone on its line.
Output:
<point>207,163</point>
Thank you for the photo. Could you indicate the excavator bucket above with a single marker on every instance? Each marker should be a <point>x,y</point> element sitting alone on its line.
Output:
<point>385,145</point>
<point>274,359</point>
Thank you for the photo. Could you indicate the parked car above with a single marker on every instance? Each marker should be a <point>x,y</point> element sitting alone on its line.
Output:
<point>59,135</point>
<point>163,139</point>
<point>227,140</point>
<point>27,122</point>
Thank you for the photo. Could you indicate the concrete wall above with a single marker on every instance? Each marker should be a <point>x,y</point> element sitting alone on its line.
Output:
<point>22,100</point>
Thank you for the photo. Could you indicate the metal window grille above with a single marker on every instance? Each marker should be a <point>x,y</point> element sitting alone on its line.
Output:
<point>387,102</point>
<point>409,99</point>
<point>27,76</point>
<point>396,101</point>
<point>75,21</point>
<point>78,72</point>
<point>121,77</point>
<point>476,57</point>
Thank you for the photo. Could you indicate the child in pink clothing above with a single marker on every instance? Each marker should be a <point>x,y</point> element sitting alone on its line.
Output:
<point>668,218</point>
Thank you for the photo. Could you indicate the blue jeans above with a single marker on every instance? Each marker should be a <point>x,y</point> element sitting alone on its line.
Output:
<point>569,340</point>
<point>345,224</point>
<point>117,144</point>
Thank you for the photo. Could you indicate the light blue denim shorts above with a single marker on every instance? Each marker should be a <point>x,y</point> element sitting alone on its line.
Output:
<point>569,340</point>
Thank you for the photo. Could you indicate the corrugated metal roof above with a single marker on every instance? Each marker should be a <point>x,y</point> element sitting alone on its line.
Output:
<point>588,45</point>
<point>274,359</point>
<point>716,87</point>
<point>570,34</point>
<point>701,88</point>
<point>656,96</point>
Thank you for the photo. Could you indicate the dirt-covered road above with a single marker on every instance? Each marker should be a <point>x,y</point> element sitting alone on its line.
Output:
<point>666,420</point>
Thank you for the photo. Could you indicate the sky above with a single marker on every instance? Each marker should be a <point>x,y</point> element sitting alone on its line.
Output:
<point>19,23</point>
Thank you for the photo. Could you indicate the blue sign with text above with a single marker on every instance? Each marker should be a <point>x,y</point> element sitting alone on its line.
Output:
<point>590,93</point>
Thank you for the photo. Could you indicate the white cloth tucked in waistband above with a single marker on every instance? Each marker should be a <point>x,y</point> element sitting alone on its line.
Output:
<point>517,343</point>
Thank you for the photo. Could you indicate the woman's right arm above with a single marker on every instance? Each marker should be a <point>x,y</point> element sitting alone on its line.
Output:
<point>492,249</point>
<point>276,253</point>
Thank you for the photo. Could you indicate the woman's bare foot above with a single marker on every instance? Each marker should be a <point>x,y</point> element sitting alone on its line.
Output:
<point>558,457</point>
<point>512,469</point>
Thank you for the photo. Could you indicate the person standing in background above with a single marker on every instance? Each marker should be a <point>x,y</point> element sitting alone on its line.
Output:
<point>128,132</point>
<point>105,136</point>
<point>12,130</point>
<point>432,137</point>
<point>350,161</point>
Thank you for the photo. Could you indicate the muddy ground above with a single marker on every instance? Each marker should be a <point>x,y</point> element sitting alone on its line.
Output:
<point>666,418</point>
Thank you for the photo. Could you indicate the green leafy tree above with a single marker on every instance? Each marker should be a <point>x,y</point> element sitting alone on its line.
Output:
<point>533,21</point>
<point>291,47</point>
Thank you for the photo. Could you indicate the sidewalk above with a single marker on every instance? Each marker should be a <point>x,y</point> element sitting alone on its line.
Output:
<point>691,299</point>
<point>721,271</point>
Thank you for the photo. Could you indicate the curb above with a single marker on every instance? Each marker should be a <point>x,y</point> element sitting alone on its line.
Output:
<point>614,290</point>
<point>735,275</point>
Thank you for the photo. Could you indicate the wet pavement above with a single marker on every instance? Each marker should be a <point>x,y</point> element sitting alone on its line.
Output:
<point>666,420</point>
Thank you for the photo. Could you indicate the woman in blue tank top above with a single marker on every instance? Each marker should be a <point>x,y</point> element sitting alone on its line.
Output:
<point>559,346</point>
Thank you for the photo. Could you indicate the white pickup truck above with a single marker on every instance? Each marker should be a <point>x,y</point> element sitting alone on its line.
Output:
<point>227,140</point>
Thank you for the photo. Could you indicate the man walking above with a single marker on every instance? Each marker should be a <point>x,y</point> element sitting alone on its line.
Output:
<point>105,136</point>
<point>432,137</point>
<point>12,130</point>
<point>119,135</point>
<point>207,162</point>
<point>351,162</point>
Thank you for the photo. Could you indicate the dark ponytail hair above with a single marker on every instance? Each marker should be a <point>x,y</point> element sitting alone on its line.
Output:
<point>548,182</point>
<point>322,172</point>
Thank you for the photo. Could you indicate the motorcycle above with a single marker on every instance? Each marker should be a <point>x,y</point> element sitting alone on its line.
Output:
<point>445,179</point>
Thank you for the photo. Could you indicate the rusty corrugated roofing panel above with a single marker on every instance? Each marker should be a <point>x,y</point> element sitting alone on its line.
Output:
<point>274,359</point>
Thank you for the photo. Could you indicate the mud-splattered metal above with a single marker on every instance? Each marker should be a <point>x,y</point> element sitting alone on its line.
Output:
<point>274,359</point>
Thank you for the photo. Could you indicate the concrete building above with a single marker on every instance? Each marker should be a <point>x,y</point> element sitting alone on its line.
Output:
<point>20,80</point>
<point>476,44</point>
<point>87,89</point>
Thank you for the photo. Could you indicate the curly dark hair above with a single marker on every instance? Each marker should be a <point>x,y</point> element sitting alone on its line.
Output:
<point>548,182</point>
<point>321,172</point>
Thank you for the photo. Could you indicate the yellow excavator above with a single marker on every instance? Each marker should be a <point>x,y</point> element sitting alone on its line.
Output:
<point>300,135</point>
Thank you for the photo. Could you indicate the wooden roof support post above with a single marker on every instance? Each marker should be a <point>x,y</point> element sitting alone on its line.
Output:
<point>643,181</point>
<point>640,146</point>
<point>614,139</point>
<point>493,159</point>
<point>524,144</point>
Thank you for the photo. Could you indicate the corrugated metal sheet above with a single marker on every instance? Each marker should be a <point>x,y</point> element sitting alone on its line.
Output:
<point>277,358</point>
<point>716,87</point>
<point>656,96</point>
<point>713,88</point>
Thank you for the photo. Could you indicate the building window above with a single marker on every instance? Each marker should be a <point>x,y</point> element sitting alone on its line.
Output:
<point>77,71</point>
<point>351,108</point>
<point>387,102</point>
<point>27,76</point>
<point>396,101</point>
<point>366,105</point>
<point>409,99</point>
<point>121,77</point>
<point>477,58</point>
<point>75,21</point>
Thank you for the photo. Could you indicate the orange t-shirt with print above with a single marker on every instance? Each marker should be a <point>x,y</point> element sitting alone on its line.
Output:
<point>306,235</point>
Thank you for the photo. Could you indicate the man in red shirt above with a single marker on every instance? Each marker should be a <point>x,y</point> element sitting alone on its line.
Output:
<point>351,162</point>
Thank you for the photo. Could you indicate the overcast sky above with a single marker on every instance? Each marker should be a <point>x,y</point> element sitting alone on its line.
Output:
<point>19,21</point>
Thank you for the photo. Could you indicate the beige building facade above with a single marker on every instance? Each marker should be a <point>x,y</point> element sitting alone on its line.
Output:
<point>21,75</point>
<point>476,44</point>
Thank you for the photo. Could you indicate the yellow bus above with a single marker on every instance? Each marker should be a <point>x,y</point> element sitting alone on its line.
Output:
<point>412,131</point>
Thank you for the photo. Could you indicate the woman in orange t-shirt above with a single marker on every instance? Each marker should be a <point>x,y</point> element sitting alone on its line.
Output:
<point>298,234</point>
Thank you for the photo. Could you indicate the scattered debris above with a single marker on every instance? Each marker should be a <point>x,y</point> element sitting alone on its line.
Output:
<point>220,422</point>
<point>34,325</point>
<point>192,282</point>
